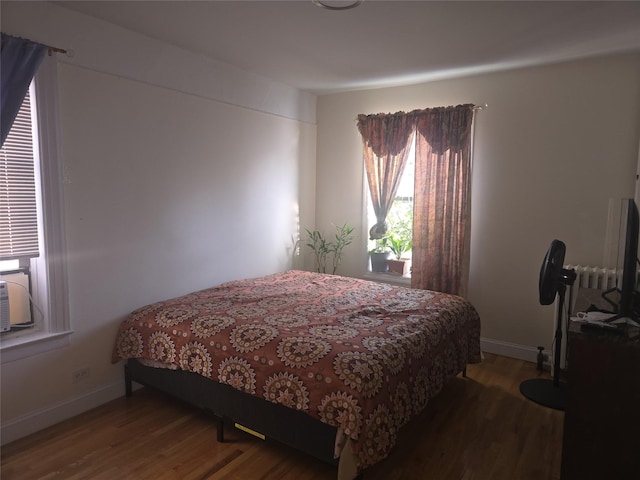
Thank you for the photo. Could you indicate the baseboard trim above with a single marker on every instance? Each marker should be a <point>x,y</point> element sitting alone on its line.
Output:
<point>37,420</point>
<point>506,349</point>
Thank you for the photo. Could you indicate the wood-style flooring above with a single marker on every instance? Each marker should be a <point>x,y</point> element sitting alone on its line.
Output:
<point>478,428</point>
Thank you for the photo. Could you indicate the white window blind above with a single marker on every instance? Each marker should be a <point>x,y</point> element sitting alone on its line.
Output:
<point>18,210</point>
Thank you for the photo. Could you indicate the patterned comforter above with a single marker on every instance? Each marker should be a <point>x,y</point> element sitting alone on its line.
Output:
<point>361,356</point>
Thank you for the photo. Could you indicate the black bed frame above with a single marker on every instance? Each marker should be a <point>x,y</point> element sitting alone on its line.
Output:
<point>293,428</point>
<point>228,405</point>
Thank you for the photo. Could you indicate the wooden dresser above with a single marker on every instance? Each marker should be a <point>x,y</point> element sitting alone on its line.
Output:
<point>602,416</point>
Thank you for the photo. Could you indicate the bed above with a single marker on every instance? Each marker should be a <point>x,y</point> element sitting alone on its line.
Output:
<point>330,365</point>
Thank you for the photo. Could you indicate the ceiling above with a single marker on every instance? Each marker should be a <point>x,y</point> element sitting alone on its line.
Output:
<point>379,43</point>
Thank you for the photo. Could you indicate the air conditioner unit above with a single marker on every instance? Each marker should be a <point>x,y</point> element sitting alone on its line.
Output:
<point>5,322</point>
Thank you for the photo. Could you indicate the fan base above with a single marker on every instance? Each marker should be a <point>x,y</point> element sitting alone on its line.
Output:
<point>544,392</point>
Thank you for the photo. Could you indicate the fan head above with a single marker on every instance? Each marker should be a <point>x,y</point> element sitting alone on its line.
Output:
<point>551,272</point>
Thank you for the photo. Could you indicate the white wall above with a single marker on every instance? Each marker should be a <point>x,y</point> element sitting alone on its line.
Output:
<point>171,185</point>
<point>166,189</point>
<point>553,146</point>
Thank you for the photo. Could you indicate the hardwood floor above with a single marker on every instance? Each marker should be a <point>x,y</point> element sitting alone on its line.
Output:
<point>478,428</point>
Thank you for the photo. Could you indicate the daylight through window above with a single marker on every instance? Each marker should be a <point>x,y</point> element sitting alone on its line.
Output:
<point>32,250</point>
<point>19,216</point>
<point>396,245</point>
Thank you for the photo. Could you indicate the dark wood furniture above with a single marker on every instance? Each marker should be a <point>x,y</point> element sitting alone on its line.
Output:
<point>602,416</point>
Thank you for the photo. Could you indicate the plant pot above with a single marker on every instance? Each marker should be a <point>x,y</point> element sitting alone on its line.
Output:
<point>379,261</point>
<point>398,267</point>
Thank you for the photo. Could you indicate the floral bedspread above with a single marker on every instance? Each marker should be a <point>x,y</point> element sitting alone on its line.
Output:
<point>359,355</point>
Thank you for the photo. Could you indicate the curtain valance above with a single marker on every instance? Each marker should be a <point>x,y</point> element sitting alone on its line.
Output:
<point>19,61</point>
<point>445,128</point>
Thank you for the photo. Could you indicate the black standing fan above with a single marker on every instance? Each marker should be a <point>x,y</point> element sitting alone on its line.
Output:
<point>553,281</point>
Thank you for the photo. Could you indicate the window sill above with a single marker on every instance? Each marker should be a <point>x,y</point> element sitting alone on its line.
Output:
<point>404,281</point>
<point>18,347</point>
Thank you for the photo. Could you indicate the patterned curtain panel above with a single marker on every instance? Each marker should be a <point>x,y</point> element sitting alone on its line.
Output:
<point>20,60</point>
<point>442,209</point>
<point>386,142</point>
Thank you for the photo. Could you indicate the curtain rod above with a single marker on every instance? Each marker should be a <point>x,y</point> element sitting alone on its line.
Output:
<point>51,50</point>
<point>475,108</point>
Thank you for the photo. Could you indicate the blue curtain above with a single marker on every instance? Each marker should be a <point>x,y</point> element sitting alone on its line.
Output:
<point>20,59</point>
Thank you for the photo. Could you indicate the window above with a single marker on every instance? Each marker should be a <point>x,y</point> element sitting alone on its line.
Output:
<point>397,243</point>
<point>19,217</point>
<point>33,262</point>
<point>441,138</point>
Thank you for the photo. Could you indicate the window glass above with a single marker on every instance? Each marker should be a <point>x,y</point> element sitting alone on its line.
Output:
<point>38,292</point>
<point>400,220</point>
<point>19,216</point>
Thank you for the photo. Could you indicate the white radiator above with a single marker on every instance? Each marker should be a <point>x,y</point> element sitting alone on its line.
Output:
<point>597,278</point>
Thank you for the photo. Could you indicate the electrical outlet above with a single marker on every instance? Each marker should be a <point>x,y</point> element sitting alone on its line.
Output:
<point>81,374</point>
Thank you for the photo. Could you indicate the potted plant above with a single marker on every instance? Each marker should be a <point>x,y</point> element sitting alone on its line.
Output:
<point>400,240</point>
<point>379,255</point>
<point>322,247</point>
<point>399,245</point>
